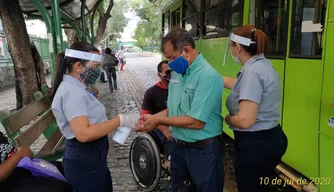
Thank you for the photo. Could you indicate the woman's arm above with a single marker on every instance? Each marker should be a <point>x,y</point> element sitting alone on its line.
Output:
<point>246,117</point>
<point>7,167</point>
<point>85,132</point>
<point>229,82</point>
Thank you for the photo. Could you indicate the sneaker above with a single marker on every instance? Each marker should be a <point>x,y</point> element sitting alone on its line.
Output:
<point>115,88</point>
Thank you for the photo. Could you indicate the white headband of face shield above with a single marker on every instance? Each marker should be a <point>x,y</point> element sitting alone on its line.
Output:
<point>237,39</point>
<point>83,55</point>
<point>241,40</point>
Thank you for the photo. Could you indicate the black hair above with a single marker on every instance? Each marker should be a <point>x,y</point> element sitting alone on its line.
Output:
<point>107,51</point>
<point>160,65</point>
<point>64,64</point>
<point>179,38</point>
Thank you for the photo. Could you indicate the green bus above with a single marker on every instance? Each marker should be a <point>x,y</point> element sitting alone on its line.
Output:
<point>301,42</point>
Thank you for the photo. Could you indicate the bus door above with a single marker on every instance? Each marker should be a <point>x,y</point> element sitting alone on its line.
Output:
<point>326,132</point>
<point>303,85</point>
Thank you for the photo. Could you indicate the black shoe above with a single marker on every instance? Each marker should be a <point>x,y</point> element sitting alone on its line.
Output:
<point>115,88</point>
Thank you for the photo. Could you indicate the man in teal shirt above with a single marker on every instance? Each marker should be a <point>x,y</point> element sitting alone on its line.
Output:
<point>193,114</point>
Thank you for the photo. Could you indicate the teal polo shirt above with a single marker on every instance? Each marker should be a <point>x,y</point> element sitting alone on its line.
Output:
<point>197,94</point>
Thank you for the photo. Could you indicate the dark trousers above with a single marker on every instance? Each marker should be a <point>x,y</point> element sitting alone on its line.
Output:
<point>256,156</point>
<point>114,78</point>
<point>85,165</point>
<point>202,166</point>
<point>102,79</point>
<point>167,145</point>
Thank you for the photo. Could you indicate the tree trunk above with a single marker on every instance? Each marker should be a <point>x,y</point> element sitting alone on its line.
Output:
<point>71,34</point>
<point>102,25</point>
<point>39,66</point>
<point>19,48</point>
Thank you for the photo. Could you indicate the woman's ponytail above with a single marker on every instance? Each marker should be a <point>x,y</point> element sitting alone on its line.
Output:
<point>61,67</point>
<point>261,41</point>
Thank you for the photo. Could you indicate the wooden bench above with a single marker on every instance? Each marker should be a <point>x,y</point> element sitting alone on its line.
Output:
<point>26,125</point>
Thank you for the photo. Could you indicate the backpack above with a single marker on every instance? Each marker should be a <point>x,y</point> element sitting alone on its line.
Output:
<point>109,61</point>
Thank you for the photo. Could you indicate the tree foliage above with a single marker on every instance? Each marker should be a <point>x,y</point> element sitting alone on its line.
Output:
<point>148,30</point>
<point>108,19</point>
<point>116,23</point>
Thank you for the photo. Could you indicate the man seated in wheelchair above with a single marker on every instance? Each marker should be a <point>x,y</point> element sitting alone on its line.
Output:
<point>155,100</point>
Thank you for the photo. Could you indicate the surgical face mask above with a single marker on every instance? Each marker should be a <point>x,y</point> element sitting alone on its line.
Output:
<point>90,75</point>
<point>179,65</point>
<point>167,76</point>
<point>236,59</point>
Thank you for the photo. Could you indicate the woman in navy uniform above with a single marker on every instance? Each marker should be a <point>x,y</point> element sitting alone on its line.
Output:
<point>254,107</point>
<point>82,119</point>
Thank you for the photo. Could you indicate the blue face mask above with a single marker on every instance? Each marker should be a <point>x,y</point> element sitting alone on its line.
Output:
<point>179,65</point>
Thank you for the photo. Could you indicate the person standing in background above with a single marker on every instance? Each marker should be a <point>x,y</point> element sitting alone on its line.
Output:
<point>109,64</point>
<point>121,58</point>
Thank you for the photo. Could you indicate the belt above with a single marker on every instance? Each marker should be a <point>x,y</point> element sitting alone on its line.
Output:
<point>199,143</point>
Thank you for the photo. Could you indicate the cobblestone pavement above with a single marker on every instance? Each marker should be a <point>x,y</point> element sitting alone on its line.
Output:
<point>140,73</point>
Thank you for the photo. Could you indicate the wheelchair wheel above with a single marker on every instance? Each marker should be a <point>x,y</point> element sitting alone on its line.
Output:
<point>145,161</point>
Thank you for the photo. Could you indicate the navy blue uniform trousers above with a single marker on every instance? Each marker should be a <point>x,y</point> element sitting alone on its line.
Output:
<point>85,165</point>
<point>256,156</point>
<point>202,166</point>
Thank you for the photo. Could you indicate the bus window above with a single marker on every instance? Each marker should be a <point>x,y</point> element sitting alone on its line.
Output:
<point>176,17</point>
<point>165,23</point>
<point>307,44</point>
<point>272,18</point>
<point>221,17</point>
<point>191,17</point>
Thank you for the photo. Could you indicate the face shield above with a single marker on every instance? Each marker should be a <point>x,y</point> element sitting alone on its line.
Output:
<point>91,62</point>
<point>237,39</point>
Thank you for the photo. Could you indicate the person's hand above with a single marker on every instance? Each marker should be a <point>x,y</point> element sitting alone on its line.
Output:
<point>141,121</point>
<point>94,90</point>
<point>166,132</point>
<point>24,151</point>
<point>147,123</point>
<point>129,120</point>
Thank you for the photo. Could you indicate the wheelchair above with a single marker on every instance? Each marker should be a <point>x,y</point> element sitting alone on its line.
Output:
<point>149,157</point>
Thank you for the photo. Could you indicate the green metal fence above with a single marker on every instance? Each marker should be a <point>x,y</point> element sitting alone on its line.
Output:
<point>41,44</point>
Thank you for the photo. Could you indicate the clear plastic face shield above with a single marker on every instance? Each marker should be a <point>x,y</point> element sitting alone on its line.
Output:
<point>92,60</point>
<point>237,39</point>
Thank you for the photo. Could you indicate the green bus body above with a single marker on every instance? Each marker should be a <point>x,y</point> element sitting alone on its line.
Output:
<point>307,83</point>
